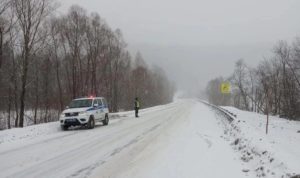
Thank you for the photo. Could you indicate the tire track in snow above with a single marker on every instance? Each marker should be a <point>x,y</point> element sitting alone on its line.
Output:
<point>56,164</point>
<point>205,138</point>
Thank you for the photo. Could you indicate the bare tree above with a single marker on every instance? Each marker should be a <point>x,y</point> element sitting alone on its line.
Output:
<point>74,28</point>
<point>30,14</point>
<point>68,56</point>
<point>273,87</point>
<point>239,79</point>
<point>4,26</point>
<point>55,52</point>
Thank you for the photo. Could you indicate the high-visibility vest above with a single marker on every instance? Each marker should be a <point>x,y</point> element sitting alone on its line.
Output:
<point>137,104</point>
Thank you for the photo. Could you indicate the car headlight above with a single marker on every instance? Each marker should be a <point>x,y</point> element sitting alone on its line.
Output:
<point>83,113</point>
<point>62,115</point>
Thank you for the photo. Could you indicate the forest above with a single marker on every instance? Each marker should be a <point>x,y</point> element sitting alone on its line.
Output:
<point>48,58</point>
<point>273,86</point>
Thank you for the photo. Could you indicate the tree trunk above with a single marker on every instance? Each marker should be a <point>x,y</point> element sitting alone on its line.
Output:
<point>16,95</point>
<point>47,90</point>
<point>9,108</point>
<point>1,46</point>
<point>23,85</point>
<point>73,77</point>
<point>59,86</point>
<point>36,94</point>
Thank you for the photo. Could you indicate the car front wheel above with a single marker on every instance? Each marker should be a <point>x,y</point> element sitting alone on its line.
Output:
<point>91,123</point>
<point>64,127</point>
<point>106,120</point>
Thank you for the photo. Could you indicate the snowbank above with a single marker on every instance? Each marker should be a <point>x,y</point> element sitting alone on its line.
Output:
<point>274,155</point>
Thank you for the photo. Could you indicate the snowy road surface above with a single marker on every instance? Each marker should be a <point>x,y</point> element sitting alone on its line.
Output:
<point>181,139</point>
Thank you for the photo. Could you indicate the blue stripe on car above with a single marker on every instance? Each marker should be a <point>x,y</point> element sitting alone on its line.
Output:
<point>100,107</point>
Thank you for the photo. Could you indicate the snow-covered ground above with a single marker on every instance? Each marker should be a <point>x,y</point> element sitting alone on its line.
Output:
<point>28,117</point>
<point>274,154</point>
<point>182,139</point>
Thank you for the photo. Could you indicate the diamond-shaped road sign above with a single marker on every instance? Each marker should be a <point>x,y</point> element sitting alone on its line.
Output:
<point>225,88</point>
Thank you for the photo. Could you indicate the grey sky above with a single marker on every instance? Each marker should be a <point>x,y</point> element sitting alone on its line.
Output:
<point>196,40</point>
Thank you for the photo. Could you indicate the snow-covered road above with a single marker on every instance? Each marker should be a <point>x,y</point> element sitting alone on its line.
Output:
<point>181,139</point>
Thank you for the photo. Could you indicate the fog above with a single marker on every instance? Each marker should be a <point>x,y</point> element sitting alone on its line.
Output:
<point>197,40</point>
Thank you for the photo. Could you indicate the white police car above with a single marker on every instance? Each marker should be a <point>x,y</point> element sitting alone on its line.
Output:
<point>85,112</point>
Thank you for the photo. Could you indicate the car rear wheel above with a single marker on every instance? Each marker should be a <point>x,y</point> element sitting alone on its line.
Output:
<point>91,123</point>
<point>106,120</point>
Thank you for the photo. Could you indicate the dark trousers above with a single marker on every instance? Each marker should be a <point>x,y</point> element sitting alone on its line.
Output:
<point>136,111</point>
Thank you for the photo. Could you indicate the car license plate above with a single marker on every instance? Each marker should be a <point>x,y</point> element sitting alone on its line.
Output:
<point>72,119</point>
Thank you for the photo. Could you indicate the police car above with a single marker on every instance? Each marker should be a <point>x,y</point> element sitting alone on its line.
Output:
<point>85,112</point>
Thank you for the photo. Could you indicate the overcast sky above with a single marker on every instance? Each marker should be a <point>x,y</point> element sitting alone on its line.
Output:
<point>197,40</point>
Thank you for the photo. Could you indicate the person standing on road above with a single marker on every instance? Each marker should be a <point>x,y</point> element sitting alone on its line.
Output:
<point>136,107</point>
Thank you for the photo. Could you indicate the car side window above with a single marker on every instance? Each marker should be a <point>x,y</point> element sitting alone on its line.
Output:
<point>95,102</point>
<point>100,102</point>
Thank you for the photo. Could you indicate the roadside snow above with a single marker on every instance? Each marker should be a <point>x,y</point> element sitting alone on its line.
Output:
<point>14,138</point>
<point>274,155</point>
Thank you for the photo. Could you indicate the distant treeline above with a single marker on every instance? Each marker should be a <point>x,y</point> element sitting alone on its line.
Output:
<point>47,59</point>
<point>272,87</point>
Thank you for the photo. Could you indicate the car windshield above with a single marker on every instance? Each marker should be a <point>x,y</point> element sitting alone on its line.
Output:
<point>81,103</point>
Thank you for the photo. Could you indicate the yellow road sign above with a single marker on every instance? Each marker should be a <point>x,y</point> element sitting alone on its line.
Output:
<point>225,88</point>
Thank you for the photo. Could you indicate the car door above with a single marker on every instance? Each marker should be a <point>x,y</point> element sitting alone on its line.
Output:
<point>101,112</point>
<point>96,111</point>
